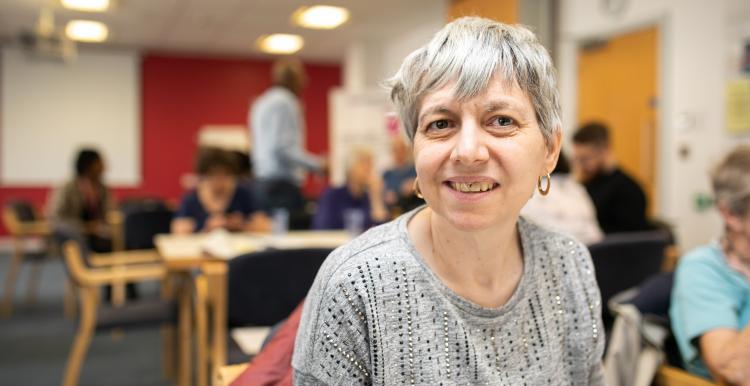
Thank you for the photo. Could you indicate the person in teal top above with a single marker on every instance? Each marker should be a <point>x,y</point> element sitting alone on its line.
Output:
<point>710,310</point>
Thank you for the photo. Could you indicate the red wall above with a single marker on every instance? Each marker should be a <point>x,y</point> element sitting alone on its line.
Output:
<point>180,95</point>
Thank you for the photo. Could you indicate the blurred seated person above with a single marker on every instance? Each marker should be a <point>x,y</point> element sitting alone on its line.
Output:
<point>566,208</point>
<point>218,201</point>
<point>362,192</point>
<point>619,201</point>
<point>82,204</point>
<point>399,180</point>
<point>710,309</point>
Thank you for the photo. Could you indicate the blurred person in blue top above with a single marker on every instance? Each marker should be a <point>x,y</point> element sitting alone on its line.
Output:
<point>218,201</point>
<point>362,193</point>
<point>277,127</point>
<point>710,307</point>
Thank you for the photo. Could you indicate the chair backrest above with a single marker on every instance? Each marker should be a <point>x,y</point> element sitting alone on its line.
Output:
<point>140,226</point>
<point>74,250</point>
<point>265,287</point>
<point>18,212</point>
<point>625,260</point>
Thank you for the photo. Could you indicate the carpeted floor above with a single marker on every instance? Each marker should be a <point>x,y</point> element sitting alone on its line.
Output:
<point>35,340</point>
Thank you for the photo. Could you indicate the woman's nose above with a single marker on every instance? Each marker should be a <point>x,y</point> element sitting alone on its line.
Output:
<point>470,145</point>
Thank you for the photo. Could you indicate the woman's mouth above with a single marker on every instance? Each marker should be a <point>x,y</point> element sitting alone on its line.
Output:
<point>472,187</point>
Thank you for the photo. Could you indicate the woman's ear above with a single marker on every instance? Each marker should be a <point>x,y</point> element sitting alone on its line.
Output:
<point>553,152</point>
<point>733,221</point>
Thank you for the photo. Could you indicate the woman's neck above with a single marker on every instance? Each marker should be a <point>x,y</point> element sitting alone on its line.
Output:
<point>483,266</point>
<point>737,249</point>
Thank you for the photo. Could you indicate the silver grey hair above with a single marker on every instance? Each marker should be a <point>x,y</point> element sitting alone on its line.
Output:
<point>731,181</point>
<point>470,51</point>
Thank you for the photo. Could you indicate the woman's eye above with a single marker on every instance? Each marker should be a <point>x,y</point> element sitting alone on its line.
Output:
<point>503,121</point>
<point>439,124</point>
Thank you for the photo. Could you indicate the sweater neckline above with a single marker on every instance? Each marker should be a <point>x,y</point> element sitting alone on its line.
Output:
<point>460,302</point>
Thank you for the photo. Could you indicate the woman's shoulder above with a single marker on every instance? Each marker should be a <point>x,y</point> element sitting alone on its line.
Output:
<point>559,252</point>
<point>550,240</point>
<point>378,244</point>
<point>704,262</point>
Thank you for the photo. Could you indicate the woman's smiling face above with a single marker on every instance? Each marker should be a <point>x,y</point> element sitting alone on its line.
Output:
<point>478,160</point>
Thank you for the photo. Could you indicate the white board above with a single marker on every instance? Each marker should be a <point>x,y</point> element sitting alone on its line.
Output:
<point>49,110</point>
<point>358,121</point>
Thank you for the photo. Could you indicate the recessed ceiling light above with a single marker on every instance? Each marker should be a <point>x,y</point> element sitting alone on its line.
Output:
<point>86,5</point>
<point>320,16</point>
<point>86,31</point>
<point>280,43</point>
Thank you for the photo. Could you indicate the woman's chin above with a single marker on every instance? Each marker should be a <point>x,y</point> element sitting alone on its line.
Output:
<point>469,221</point>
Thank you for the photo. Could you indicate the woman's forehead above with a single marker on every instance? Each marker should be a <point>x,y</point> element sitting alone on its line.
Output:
<point>499,94</point>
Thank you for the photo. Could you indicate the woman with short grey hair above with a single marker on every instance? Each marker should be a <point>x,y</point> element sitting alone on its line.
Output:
<point>710,309</point>
<point>463,290</point>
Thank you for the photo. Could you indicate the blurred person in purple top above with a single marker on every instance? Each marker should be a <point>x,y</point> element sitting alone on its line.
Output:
<point>362,192</point>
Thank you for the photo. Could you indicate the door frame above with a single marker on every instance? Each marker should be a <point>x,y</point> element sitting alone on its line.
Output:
<point>662,137</point>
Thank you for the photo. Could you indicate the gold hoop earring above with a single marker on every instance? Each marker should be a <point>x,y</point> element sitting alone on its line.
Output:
<point>544,191</point>
<point>417,192</point>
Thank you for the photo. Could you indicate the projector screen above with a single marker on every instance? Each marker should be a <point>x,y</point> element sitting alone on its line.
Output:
<point>49,110</point>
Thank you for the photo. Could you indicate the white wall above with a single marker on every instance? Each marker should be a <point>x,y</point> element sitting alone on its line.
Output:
<point>358,110</point>
<point>693,62</point>
<point>50,109</point>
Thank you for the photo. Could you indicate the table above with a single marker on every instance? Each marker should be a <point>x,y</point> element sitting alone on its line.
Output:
<point>210,253</point>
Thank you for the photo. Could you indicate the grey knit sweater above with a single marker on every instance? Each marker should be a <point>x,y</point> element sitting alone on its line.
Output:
<point>378,315</point>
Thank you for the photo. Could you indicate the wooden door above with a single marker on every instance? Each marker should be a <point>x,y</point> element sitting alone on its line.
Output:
<point>505,11</point>
<point>617,85</point>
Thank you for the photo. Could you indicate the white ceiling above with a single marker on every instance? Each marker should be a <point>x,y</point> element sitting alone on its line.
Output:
<point>225,26</point>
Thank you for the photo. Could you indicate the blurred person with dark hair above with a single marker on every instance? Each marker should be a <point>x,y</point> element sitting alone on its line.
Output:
<point>277,130</point>
<point>619,201</point>
<point>218,201</point>
<point>361,193</point>
<point>82,204</point>
<point>399,179</point>
<point>710,309</point>
<point>567,208</point>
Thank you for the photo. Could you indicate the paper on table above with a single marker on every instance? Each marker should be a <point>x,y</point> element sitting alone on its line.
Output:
<point>224,245</point>
<point>250,339</point>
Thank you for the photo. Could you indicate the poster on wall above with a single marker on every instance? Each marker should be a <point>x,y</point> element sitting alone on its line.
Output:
<point>738,96</point>
<point>738,106</point>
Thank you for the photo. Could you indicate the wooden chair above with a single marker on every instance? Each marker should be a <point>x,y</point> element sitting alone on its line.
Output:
<point>116,269</point>
<point>227,374</point>
<point>672,376</point>
<point>263,288</point>
<point>23,224</point>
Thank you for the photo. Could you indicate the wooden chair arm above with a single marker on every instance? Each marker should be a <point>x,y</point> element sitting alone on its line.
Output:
<point>123,274</point>
<point>34,228</point>
<point>671,376</point>
<point>227,374</point>
<point>115,217</point>
<point>124,258</point>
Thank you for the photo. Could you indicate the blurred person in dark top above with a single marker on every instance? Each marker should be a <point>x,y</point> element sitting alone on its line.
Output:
<point>83,203</point>
<point>218,201</point>
<point>82,206</point>
<point>399,179</point>
<point>619,201</point>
